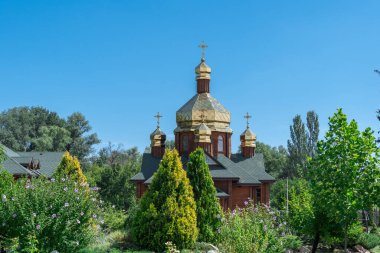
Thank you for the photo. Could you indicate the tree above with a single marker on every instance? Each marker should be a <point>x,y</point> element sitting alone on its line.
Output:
<point>312,123</point>
<point>112,171</point>
<point>302,144</point>
<point>81,144</point>
<point>20,125</point>
<point>275,159</point>
<point>70,167</point>
<point>37,128</point>
<point>209,212</point>
<point>167,209</point>
<point>52,138</point>
<point>345,171</point>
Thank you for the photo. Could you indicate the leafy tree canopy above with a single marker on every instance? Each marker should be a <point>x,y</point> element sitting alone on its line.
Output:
<point>345,171</point>
<point>302,144</point>
<point>37,128</point>
<point>275,158</point>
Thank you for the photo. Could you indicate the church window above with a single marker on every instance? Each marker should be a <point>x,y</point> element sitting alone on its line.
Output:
<point>185,143</point>
<point>220,144</point>
<point>258,195</point>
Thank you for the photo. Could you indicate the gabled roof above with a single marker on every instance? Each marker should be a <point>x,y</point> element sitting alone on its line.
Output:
<point>245,171</point>
<point>14,162</point>
<point>49,161</point>
<point>15,168</point>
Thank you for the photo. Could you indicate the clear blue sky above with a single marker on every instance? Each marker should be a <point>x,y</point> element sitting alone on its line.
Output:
<point>119,62</point>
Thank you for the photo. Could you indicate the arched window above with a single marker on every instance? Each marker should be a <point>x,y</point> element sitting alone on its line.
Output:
<point>220,144</point>
<point>185,144</point>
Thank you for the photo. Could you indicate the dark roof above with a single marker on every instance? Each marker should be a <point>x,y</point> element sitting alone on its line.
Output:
<point>49,161</point>
<point>246,171</point>
<point>14,162</point>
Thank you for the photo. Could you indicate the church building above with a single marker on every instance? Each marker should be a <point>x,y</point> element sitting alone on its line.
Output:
<point>204,122</point>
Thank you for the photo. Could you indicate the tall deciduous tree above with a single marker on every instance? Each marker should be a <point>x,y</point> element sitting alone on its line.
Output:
<point>167,209</point>
<point>345,171</point>
<point>302,143</point>
<point>81,144</point>
<point>36,128</point>
<point>209,212</point>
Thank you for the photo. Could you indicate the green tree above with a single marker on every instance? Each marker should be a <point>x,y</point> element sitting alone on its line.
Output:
<point>52,138</point>
<point>275,159</point>
<point>167,209</point>
<point>36,128</point>
<point>302,144</point>
<point>20,125</point>
<point>70,167</point>
<point>111,171</point>
<point>345,171</point>
<point>81,143</point>
<point>209,212</point>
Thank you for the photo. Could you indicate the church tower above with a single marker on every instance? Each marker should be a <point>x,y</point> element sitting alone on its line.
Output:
<point>157,140</point>
<point>203,121</point>
<point>248,141</point>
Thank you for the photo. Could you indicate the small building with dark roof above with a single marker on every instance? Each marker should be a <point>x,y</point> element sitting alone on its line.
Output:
<point>28,164</point>
<point>204,122</point>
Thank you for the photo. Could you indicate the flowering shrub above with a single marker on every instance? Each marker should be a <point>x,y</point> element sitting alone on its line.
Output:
<point>43,215</point>
<point>252,229</point>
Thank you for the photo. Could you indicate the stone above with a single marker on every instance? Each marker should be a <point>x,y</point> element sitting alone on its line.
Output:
<point>361,249</point>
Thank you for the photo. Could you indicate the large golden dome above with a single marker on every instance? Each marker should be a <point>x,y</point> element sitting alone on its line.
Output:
<point>217,118</point>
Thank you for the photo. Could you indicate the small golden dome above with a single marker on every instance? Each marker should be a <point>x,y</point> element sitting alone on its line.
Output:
<point>157,138</point>
<point>248,138</point>
<point>203,71</point>
<point>202,133</point>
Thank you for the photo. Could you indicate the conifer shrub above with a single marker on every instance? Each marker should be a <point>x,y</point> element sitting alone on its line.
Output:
<point>209,212</point>
<point>167,210</point>
<point>70,167</point>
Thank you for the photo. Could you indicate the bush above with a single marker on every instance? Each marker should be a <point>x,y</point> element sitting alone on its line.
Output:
<point>252,230</point>
<point>209,212</point>
<point>292,242</point>
<point>369,241</point>
<point>41,215</point>
<point>167,209</point>
<point>114,219</point>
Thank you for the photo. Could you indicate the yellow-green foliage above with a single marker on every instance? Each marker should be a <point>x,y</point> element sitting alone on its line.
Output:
<point>70,167</point>
<point>167,209</point>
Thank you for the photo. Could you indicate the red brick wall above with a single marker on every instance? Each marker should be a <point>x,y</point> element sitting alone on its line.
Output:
<point>239,195</point>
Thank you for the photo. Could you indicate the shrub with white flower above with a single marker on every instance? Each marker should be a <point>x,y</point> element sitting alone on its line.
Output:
<point>253,229</point>
<point>48,215</point>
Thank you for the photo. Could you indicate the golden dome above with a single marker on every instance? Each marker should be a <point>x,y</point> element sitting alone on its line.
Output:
<point>157,138</point>
<point>217,117</point>
<point>203,71</point>
<point>248,138</point>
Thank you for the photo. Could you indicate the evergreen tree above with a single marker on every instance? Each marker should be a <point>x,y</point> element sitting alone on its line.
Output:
<point>167,209</point>
<point>312,124</point>
<point>70,167</point>
<point>208,208</point>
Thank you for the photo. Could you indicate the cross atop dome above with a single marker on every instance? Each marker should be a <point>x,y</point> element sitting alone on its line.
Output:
<point>203,46</point>
<point>158,116</point>
<point>247,116</point>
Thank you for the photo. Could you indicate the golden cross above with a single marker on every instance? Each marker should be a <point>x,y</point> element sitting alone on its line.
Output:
<point>158,116</point>
<point>203,117</point>
<point>203,46</point>
<point>247,117</point>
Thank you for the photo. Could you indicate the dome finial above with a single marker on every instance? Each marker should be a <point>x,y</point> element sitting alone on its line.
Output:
<point>203,46</point>
<point>158,116</point>
<point>247,116</point>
